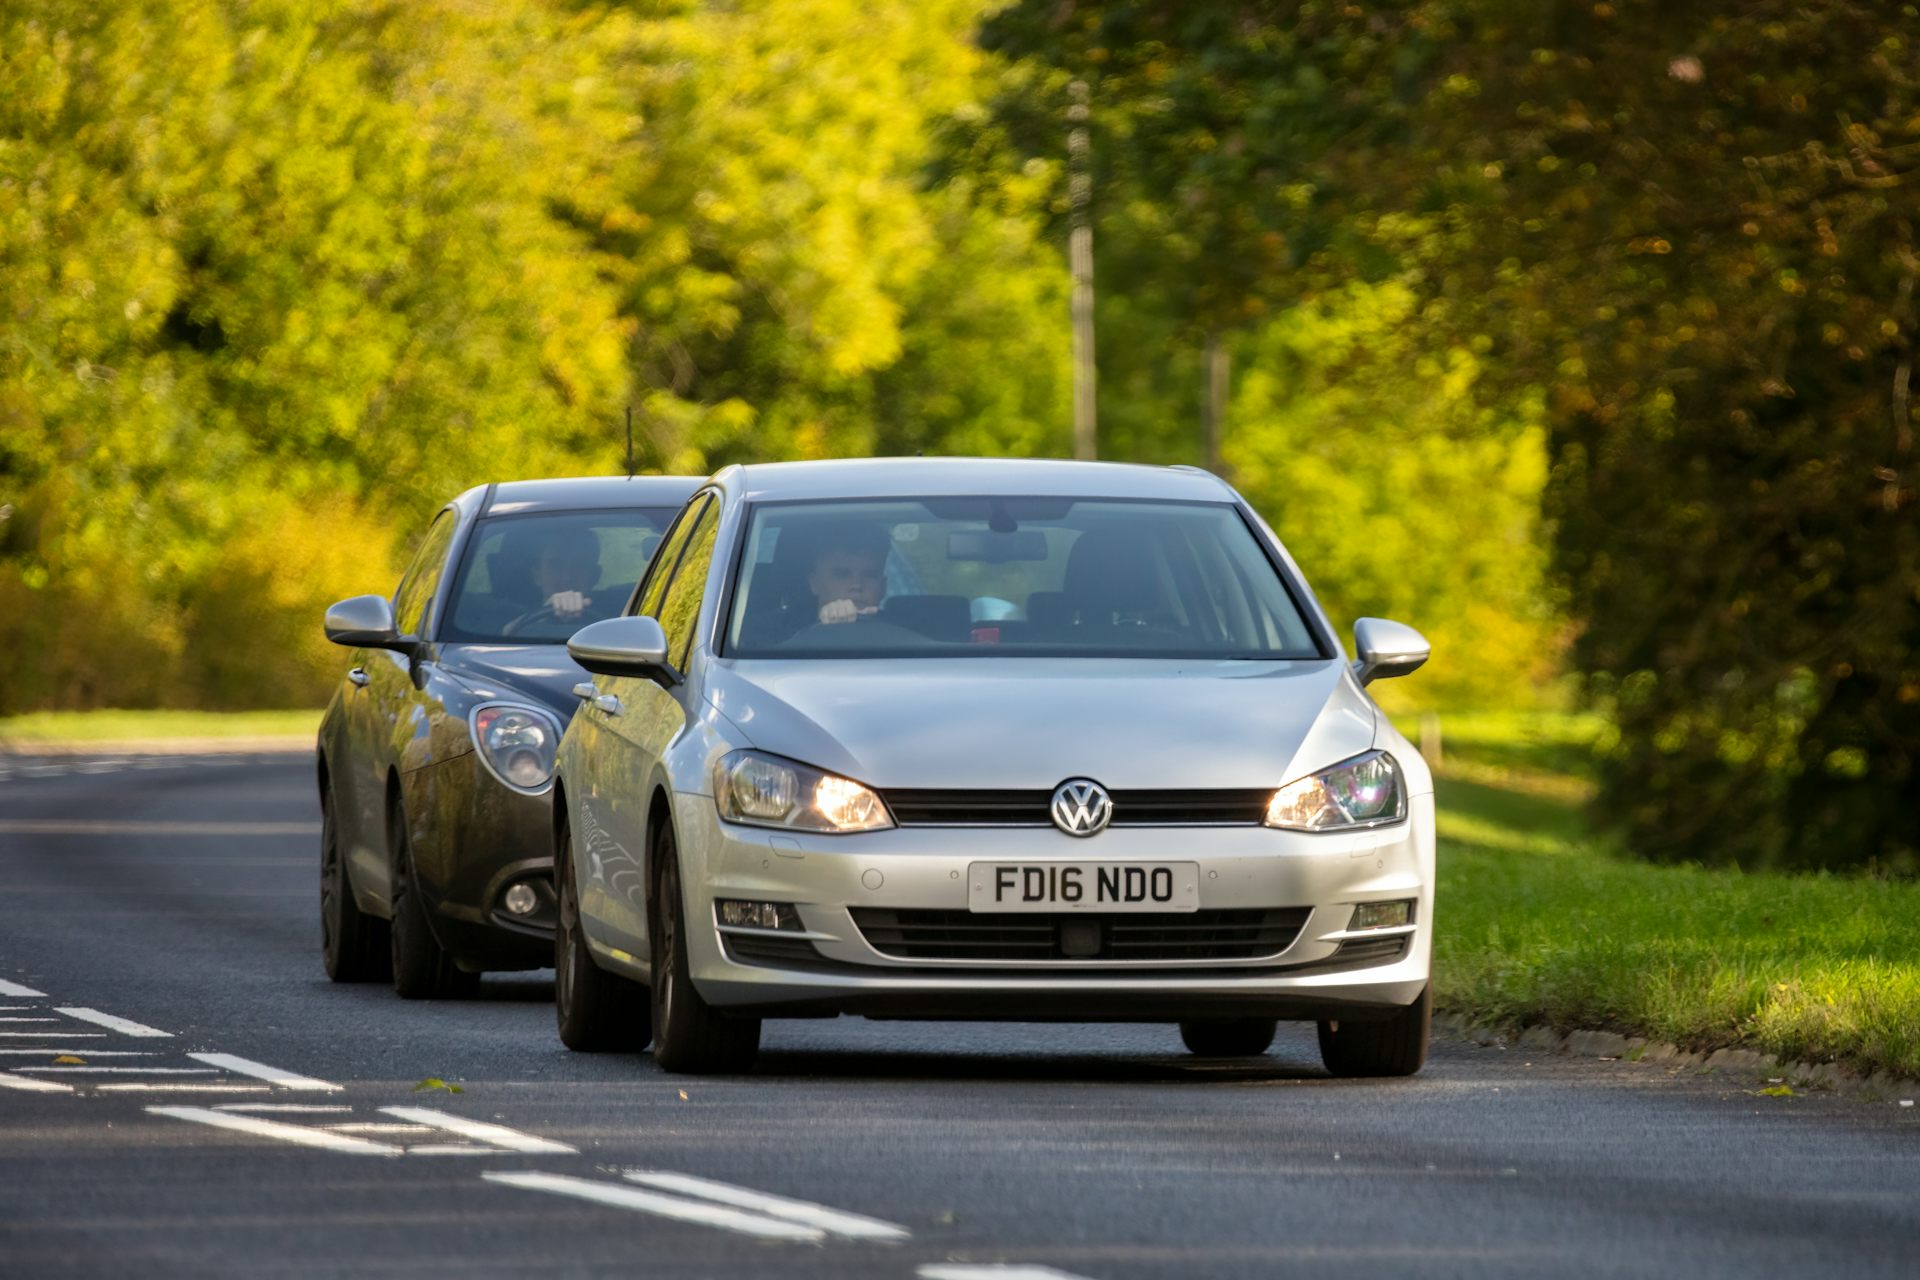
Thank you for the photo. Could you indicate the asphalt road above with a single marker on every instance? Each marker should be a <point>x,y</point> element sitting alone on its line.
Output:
<point>141,897</point>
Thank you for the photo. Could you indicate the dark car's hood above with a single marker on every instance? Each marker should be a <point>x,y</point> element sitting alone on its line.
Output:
<point>1029,723</point>
<point>538,673</point>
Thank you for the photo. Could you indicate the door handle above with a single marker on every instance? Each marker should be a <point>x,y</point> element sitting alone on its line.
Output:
<point>609,704</point>
<point>359,678</point>
<point>584,689</point>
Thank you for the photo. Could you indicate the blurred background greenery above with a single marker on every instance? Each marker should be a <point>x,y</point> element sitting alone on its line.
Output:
<point>1579,335</point>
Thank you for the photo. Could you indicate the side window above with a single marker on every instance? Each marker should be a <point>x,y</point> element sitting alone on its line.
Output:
<point>660,572</point>
<point>422,578</point>
<point>680,611</point>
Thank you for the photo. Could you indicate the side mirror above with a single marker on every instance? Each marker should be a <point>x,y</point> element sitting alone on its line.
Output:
<point>1387,649</point>
<point>364,622</point>
<point>624,647</point>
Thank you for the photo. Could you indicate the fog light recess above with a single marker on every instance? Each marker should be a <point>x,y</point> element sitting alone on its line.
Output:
<point>520,900</point>
<point>758,915</point>
<point>1382,915</point>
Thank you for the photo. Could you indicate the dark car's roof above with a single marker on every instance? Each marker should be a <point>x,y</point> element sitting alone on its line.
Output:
<point>514,497</point>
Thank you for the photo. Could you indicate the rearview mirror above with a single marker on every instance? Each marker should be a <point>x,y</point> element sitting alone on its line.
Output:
<point>1387,649</point>
<point>363,622</point>
<point>624,647</point>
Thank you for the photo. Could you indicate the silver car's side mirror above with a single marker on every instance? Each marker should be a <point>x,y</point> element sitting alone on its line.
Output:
<point>364,622</point>
<point>633,646</point>
<point>1387,649</point>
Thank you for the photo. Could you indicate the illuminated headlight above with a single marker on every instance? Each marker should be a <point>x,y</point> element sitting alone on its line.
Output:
<point>766,791</point>
<point>1362,792</point>
<point>516,743</point>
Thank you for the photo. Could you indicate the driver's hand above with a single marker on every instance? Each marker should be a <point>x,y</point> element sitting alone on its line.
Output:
<point>568,604</point>
<point>843,611</point>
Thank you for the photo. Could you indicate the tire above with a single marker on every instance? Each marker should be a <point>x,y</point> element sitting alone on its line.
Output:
<point>1395,1047</point>
<point>353,944</point>
<point>690,1036</point>
<point>598,1012</point>
<point>422,969</point>
<point>1229,1037</point>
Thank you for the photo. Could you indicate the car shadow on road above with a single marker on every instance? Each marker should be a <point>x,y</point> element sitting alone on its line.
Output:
<point>1027,1067</point>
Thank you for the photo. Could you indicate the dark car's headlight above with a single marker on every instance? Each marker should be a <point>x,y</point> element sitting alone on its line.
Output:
<point>1362,792</point>
<point>516,743</point>
<point>766,791</point>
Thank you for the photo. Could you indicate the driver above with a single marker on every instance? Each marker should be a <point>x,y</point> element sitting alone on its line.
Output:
<point>849,574</point>
<point>565,567</point>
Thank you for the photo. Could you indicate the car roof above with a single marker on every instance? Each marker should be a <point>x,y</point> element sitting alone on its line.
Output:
<point>939,477</point>
<point>582,493</point>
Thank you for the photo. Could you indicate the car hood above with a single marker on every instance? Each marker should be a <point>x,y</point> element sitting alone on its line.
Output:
<point>539,673</point>
<point>1026,724</point>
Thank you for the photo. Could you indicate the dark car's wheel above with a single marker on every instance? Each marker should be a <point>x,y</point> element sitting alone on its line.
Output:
<point>689,1035</point>
<point>352,944</point>
<point>422,969</point>
<point>598,1011</point>
<point>1395,1047</point>
<point>1229,1037</point>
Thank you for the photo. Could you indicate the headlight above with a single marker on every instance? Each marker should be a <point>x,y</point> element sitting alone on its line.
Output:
<point>516,743</point>
<point>766,791</point>
<point>1362,792</point>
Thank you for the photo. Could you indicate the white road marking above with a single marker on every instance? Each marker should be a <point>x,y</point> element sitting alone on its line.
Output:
<point>131,1071</point>
<point>29,1019</point>
<point>261,1071</point>
<point>308,1107</point>
<point>110,827</point>
<point>299,1135</point>
<point>380,1126</point>
<point>992,1271</point>
<point>64,1035</point>
<point>450,1149</point>
<point>852,1226</point>
<point>33,1086</point>
<point>182,1088</point>
<point>496,1135</point>
<point>124,1026</point>
<point>711,1215</point>
<point>15,989</point>
<point>50,1052</point>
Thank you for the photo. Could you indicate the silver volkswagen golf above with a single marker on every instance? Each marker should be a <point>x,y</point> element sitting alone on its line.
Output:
<point>1009,740</point>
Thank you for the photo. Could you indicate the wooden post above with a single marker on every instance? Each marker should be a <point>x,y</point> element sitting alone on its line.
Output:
<point>1080,261</point>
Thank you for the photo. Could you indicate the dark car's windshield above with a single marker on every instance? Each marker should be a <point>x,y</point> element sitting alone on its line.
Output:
<point>1009,577</point>
<point>537,579</point>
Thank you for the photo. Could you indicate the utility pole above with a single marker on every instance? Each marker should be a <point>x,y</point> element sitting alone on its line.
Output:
<point>1215,414</point>
<point>1086,432</point>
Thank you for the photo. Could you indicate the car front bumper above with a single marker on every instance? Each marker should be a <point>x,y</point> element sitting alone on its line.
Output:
<point>835,968</point>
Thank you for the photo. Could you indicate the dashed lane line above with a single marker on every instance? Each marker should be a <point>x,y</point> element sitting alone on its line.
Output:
<point>991,1271</point>
<point>30,1085</point>
<point>851,1226</point>
<point>495,1135</point>
<point>127,1071</point>
<point>298,1134</point>
<point>131,827</point>
<point>45,1051</point>
<point>624,1197</point>
<point>298,1107</point>
<point>207,1087</point>
<point>125,1026</point>
<point>261,1071</point>
<point>19,992</point>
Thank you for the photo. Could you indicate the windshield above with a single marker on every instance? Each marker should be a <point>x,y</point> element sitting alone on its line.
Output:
<point>537,579</point>
<point>1010,577</point>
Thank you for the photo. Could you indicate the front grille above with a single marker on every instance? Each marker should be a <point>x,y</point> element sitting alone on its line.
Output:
<point>1244,934</point>
<point>761,948</point>
<point>1237,808</point>
<point>1371,950</point>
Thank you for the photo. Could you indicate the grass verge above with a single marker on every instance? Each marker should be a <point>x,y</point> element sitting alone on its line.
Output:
<point>1540,921</point>
<point>107,727</point>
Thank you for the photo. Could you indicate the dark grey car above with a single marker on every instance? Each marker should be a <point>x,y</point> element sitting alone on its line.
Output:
<point>436,753</point>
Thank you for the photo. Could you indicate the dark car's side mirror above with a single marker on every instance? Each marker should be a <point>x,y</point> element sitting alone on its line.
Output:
<point>364,622</point>
<point>633,646</point>
<point>1387,649</point>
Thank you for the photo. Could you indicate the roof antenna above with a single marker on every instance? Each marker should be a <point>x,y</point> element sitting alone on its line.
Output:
<point>629,442</point>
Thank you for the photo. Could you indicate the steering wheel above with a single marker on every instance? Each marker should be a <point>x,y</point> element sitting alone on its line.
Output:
<point>526,621</point>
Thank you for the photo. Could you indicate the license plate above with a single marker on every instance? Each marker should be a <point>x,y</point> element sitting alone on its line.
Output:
<point>1083,886</point>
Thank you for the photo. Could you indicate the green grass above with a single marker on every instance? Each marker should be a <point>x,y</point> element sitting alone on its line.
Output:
<point>1540,921</point>
<point>106,727</point>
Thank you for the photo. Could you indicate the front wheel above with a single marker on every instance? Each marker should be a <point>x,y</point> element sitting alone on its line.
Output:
<point>422,969</point>
<point>353,944</point>
<point>1395,1047</point>
<point>598,1011</point>
<point>1229,1037</point>
<point>690,1036</point>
